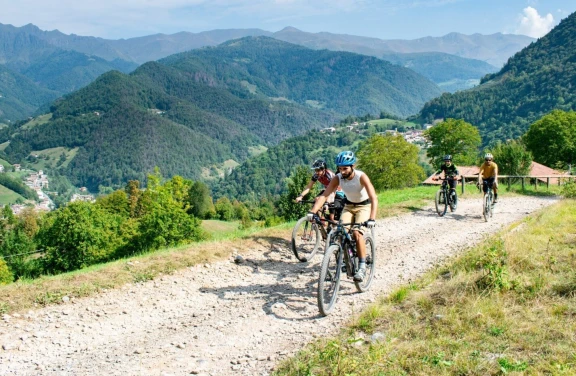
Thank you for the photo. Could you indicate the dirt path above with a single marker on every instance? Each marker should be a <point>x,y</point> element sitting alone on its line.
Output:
<point>225,319</point>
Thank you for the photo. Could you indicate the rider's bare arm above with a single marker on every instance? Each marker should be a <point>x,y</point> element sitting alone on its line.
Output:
<point>496,174</point>
<point>305,191</point>
<point>324,196</point>
<point>366,183</point>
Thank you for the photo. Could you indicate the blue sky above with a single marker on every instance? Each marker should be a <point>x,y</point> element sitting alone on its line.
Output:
<point>385,19</point>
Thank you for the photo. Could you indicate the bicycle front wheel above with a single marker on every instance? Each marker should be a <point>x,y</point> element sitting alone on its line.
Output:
<point>370,264</point>
<point>441,202</point>
<point>305,239</point>
<point>487,212</point>
<point>329,281</point>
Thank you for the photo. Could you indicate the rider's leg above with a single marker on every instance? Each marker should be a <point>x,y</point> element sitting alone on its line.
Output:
<point>362,214</point>
<point>452,183</point>
<point>495,188</point>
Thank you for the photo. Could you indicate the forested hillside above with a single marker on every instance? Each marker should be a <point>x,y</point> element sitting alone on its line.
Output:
<point>51,71</point>
<point>535,81</point>
<point>20,96</point>
<point>264,175</point>
<point>159,116</point>
<point>341,82</point>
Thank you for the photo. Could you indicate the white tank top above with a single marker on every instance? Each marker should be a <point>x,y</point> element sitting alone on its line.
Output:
<point>354,191</point>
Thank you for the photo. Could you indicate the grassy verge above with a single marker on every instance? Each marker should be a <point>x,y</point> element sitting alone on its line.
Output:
<point>398,201</point>
<point>506,306</point>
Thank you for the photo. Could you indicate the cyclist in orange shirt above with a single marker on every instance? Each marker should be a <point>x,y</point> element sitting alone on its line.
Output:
<point>489,175</point>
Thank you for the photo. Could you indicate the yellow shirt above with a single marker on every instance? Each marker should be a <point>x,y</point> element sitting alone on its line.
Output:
<point>488,171</point>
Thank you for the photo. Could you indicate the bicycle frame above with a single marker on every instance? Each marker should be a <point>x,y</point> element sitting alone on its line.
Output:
<point>340,232</point>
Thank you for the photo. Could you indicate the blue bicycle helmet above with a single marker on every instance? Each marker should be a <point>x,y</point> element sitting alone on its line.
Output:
<point>345,158</point>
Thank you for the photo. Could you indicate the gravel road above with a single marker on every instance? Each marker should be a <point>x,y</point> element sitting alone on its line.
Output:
<point>226,318</point>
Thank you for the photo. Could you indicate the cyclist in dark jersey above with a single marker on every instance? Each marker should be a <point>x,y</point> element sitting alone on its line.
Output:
<point>324,176</point>
<point>450,172</point>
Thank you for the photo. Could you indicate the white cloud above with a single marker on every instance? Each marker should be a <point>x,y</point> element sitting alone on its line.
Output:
<point>534,25</point>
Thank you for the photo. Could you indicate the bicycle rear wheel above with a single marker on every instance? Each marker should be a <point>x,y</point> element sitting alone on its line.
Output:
<point>305,239</point>
<point>329,281</point>
<point>441,202</point>
<point>370,264</point>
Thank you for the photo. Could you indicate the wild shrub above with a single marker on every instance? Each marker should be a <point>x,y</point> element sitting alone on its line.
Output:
<point>494,265</point>
<point>569,190</point>
<point>5,273</point>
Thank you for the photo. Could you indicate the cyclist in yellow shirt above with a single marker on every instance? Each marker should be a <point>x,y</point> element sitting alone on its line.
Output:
<point>489,175</point>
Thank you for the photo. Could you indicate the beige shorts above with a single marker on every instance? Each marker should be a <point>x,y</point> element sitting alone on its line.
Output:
<point>356,214</point>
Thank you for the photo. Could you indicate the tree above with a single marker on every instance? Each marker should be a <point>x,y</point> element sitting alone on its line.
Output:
<point>78,235</point>
<point>455,137</point>
<point>224,209</point>
<point>512,158</point>
<point>296,184</point>
<point>552,139</point>
<point>200,201</point>
<point>390,162</point>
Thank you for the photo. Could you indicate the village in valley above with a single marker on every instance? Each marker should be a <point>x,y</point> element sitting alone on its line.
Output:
<point>39,182</point>
<point>408,130</point>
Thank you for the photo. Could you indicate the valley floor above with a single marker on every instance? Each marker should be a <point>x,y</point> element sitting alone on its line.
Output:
<point>229,319</point>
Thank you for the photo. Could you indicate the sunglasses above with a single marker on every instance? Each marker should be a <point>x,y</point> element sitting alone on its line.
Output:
<point>488,160</point>
<point>318,169</point>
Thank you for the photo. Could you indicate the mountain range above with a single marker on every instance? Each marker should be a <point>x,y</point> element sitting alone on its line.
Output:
<point>195,110</point>
<point>495,49</point>
<point>535,81</point>
<point>64,63</point>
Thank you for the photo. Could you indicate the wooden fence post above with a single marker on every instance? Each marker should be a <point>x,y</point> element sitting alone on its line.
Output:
<point>508,182</point>
<point>548,183</point>
<point>536,184</point>
<point>522,182</point>
<point>463,183</point>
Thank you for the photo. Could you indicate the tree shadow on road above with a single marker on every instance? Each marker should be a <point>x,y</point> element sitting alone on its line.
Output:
<point>293,295</point>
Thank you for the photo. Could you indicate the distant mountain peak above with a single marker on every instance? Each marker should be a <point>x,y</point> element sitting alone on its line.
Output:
<point>290,29</point>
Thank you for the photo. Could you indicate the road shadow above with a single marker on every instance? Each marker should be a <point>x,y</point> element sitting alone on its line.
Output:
<point>293,294</point>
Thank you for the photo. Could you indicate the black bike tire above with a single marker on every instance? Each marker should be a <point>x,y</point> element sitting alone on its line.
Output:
<point>299,255</point>
<point>486,208</point>
<point>325,307</point>
<point>441,211</point>
<point>370,264</point>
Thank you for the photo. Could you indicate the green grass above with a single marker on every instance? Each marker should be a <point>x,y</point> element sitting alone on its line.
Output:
<point>4,145</point>
<point>6,164</point>
<point>390,122</point>
<point>8,196</point>
<point>256,150</point>
<point>506,307</point>
<point>397,201</point>
<point>39,120</point>
<point>50,157</point>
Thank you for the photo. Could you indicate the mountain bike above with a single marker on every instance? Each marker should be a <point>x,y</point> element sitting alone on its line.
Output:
<point>341,257</point>
<point>488,203</point>
<point>306,235</point>
<point>444,199</point>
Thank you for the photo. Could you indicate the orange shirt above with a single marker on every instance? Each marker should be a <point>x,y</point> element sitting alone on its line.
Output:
<point>488,171</point>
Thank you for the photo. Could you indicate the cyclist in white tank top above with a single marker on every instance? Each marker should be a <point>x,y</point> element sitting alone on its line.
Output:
<point>361,202</point>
